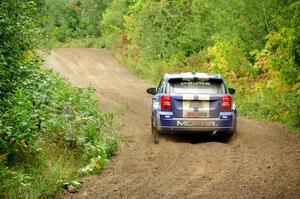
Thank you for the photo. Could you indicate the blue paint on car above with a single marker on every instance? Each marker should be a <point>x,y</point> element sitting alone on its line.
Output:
<point>193,102</point>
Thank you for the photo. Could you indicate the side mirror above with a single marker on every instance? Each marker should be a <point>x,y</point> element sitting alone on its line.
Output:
<point>151,91</point>
<point>231,91</point>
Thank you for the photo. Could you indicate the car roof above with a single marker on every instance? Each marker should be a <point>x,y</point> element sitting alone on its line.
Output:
<point>193,76</point>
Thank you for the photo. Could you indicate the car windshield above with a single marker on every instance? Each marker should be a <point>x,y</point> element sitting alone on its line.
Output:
<point>197,87</point>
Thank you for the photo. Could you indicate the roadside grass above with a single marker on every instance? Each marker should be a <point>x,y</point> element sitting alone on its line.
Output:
<point>51,134</point>
<point>268,105</point>
<point>43,178</point>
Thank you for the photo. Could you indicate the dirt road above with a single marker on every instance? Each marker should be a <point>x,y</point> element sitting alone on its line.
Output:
<point>263,161</point>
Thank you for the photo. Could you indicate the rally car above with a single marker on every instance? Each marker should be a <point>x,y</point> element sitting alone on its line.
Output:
<point>192,102</point>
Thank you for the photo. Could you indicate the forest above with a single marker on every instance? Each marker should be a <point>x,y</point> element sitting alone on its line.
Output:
<point>254,44</point>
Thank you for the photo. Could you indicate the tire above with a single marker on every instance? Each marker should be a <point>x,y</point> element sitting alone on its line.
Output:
<point>225,137</point>
<point>234,132</point>
<point>155,134</point>
<point>229,136</point>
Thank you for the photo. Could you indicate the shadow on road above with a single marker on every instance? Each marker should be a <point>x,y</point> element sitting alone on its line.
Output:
<point>193,138</point>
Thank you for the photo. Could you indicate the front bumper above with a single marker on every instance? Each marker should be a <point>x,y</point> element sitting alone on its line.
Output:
<point>166,123</point>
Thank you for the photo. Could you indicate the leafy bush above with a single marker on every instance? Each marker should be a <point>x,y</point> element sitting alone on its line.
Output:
<point>285,106</point>
<point>113,21</point>
<point>18,29</point>
<point>65,19</point>
<point>227,57</point>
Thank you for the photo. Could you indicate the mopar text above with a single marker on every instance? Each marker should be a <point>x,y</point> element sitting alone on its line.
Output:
<point>197,123</point>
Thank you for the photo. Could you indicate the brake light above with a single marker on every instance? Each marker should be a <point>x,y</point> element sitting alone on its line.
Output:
<point>226,103</point>
<point>165,103</point>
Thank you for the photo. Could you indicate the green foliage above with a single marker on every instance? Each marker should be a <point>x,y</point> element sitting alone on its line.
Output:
<point>65,19</point>
<point>282,50</point>
<point>160,29</point>
<point>20,125</point>
<point>285,106</point>
<point>112,22</point>
<point>18,22</point>
<point>18,29</point>
<point>227,58</point>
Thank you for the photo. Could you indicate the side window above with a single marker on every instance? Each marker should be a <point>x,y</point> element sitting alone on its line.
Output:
<point>161,86</point>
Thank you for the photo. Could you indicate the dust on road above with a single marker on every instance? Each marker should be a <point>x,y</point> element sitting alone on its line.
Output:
<point>263,161</point>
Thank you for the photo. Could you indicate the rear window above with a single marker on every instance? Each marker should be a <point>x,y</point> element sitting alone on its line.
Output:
<point>197,87</point>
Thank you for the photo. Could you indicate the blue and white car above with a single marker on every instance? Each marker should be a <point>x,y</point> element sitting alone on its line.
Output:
<point>193,102</point>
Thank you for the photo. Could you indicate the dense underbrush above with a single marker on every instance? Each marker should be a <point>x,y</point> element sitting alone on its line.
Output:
<point>50,133</point>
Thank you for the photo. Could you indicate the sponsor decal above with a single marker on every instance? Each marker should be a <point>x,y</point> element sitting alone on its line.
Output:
<point>197,123</point>
<point>196,114</point>
<point>198,83</point>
